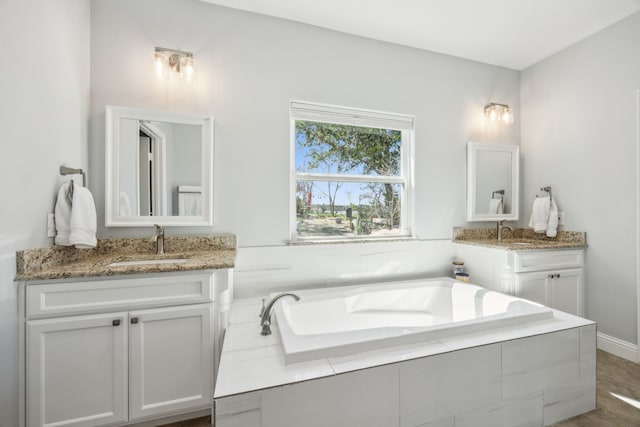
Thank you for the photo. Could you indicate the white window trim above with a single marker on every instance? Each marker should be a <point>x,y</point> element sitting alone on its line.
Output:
<point>308,111</point>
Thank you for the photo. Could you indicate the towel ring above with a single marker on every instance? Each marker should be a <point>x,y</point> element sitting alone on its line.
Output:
<point>547,190</point>
<point>70,171</point>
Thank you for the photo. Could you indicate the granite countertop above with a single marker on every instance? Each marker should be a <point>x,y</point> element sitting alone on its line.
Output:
<point>520,239</point>
<point>59,262</point>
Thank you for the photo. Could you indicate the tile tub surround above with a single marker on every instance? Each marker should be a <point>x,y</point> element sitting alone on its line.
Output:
<point>515,240</point>
<point>535,374</point>
<point>58,262</point>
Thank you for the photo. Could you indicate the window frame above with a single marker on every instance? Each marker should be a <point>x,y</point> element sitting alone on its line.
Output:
<point>324,113</point>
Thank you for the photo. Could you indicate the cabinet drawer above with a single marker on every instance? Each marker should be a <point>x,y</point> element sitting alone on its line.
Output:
<point>546,260</point>
<point>118,294</point>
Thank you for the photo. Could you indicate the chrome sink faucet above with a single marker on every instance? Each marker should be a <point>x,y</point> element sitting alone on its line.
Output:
<point>159,239</point>
<point>500,226</point>
<point>265,313</point>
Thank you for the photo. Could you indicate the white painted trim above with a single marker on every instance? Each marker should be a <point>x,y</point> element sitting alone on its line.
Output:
<point>638,220</point>
<point>472,151</point>
<point>293,220</point>
<point>303,110</point>
<point>22,356</point>
<point>312,111</point>
<point>336,177</point>
<point>617,347</point>
<point>159,141</point>
<point>112,214</point>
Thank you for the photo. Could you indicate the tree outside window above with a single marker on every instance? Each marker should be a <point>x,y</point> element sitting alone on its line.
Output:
<point>351,180</point>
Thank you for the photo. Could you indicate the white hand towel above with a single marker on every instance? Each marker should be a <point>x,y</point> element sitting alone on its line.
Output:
<point>540,214</point>
<point>496,206</point>
<point>62,217</point>
<point>552,226</point>
<point>189,204</point>
<point>83,222</point>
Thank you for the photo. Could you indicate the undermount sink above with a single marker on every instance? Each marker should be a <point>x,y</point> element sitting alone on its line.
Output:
<point>148,262</point>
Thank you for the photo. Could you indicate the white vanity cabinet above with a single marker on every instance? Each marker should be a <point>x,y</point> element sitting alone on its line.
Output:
<point>77,370</point>
<point>550,277</point>
<point>115,351</point>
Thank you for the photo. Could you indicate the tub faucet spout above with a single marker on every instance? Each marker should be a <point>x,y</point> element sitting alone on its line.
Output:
<point>265,321</point>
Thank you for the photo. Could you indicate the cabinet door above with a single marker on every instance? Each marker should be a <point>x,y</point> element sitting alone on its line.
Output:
<point>77,370</point>
<point>170,360</point>
<point>566,291</point>
<point>533,286</point>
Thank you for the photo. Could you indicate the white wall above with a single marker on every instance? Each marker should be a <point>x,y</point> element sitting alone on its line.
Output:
<point>580,110</point>
<point>579,123</point>
<point>44,84</point>
<point>248,69</point>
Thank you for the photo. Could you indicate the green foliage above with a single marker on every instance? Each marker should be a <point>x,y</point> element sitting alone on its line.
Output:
<point>299,206</point>
<point>344,148</point>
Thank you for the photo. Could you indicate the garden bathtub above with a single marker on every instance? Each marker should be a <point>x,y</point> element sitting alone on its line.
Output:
<point>339,321</point>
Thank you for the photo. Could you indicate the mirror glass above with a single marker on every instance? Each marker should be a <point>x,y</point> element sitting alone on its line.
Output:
<point>492,182</point>
<point>158,167</point>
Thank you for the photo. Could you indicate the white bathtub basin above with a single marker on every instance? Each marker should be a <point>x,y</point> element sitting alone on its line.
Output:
<point>148,262</point>
<point>340,321</point>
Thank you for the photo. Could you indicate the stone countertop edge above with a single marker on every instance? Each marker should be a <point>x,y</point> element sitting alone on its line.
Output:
<point>206,252</point>
<point>519,239</point>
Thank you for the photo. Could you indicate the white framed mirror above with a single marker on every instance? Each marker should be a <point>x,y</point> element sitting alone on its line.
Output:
<point>158,167</point>
<point>493,179</point>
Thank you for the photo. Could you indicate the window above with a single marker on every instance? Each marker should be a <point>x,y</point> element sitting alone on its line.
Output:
<point>352,173</point>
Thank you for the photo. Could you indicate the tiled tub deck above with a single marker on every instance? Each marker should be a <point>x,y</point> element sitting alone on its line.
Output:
<point>529,375</point>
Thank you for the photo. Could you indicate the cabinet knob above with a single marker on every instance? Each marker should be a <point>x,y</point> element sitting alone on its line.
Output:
<point>116,322</point>
<point>551,276</point>
<point>134,320</point>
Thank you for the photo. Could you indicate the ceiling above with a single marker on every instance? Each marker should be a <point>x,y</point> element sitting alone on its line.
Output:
<point>508,33</point>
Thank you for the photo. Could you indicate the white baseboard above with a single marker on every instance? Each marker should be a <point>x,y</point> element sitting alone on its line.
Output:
<point>618,347</point>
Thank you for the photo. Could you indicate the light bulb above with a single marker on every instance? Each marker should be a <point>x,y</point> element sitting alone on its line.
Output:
<point>499,112</point>
<point>507,117</point>
<point>174,62</point>
<point>159,64</point>
<point>491,113</point>
<point>186,68</point>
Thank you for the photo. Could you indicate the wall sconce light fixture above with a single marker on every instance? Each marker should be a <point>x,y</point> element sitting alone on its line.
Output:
<point>177,61</point>
<point>499,113</point>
